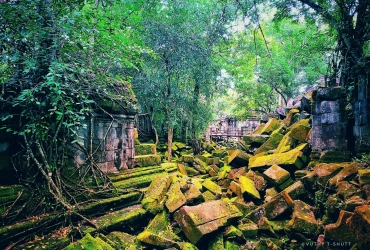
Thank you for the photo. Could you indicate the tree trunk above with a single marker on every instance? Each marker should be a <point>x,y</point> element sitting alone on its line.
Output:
<point>169,142</point>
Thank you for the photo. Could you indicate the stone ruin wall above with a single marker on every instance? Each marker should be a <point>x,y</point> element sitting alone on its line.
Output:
<point>329,125</point>
<point>112,142</point>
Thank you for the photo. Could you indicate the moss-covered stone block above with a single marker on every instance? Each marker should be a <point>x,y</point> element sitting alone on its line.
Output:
<point>255,139</point>
<point>145,149</point>
<point>147,160</point>
<point>364,176</point>
<point>278,177</point>
<point>154,197</point>
<point>188,158</point>
<point>89,243</point>
<point>216,242</point>
<point>272,143</point>
<point>125,219</point>
<point>249,229</point>
<point>208,196</point>
<point>175,198</point>
<point>288,119</point>
<point>299,131</point>
<point>212,187</point>
<point>270,126</point>
<point>303,219</point>
<point>238,158</point>
<point>198,221</point>
<point>247,188</point>
<point>122,240</point>
<point>259,129</point>
<point>158,232</point>
<point>291,159</point>
<point>285,144</point>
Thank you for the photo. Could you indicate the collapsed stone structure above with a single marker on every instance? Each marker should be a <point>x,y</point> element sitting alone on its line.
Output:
<point>293,192</point>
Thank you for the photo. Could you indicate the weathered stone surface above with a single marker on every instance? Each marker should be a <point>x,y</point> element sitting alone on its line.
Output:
<point>327,93</point>
<point>236,173</point>
<point>255,139</point>
<point>211,186</point>
<point>259,129</point>
<point>364,176</point>
<point>249,229</point>
<point>339,231</point>
<point>323,172</point>
<point>259,182</point>
<point>238,158</point>
<point>175,198</point>
<point>154,197</point>
<point>247,187</point>
<point>271,143</point>
<point>182,169</point>
<point>145,149</point>
<point>288,119</point>
<point>235,188</point>
<point>270,126</point>
<point>293,158</point>
<point>158,232</point>
<point>303,220</point>
<point>285,144</point>
<point>296,190</point>
<point>276,175</point>
<point>275,207</point>
<point>359,224</point>
<point>193,195</point>
<point>346,189</point>
<point>349,169</point>
<point>232,232</point>
<point>299,130</point>
<point>188,158</point>
<point>147,160</point>
<point>335,155</point>
<point>205,218</point>
<point>208,196</point>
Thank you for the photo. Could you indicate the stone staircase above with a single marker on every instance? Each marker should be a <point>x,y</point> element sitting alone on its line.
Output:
<point>119,215</point>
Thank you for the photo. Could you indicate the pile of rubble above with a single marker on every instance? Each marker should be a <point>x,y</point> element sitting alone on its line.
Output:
<point>273,197</point>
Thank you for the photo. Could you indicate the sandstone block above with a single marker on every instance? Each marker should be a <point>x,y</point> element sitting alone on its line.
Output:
<point>359,224</point>
<point>211,186</point>
<point>154,197</point>
<point>364,176</point>
<point>249,229</point>
<point>293,158</point>
<point>175,198</point>
<point>198,221</point>
<point>303,219</point>
<point>238,158</point>
<point>247,187</point>
<point>270,126</point>
<point>340,231</point>
<point>271,143</point>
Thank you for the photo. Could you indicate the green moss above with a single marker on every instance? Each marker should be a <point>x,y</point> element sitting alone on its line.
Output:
<point>154,197</point>
<point>270,126</point>
<point>123,218</point>
<point>216,242</point>
<point>272,143</point>
<point>137,182</point>
<point>147,160</point>
<point>121,240</point>
<point>145,149</point>
<point>247,187</point>
<point>211,186</point>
